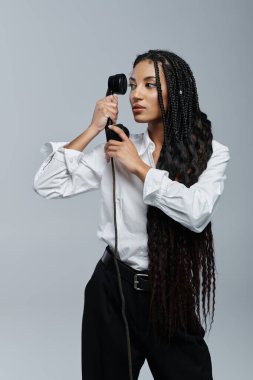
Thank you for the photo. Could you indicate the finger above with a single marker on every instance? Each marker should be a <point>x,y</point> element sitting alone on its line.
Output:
<point>115,105</point>
<point>115,98</point>
<point>119,131</point>
<point>112,116</point>
<point>112,142</point>
<point>112,107</point>
<point>112,148</point>
<point>112,154</point>
<point>112,98</point>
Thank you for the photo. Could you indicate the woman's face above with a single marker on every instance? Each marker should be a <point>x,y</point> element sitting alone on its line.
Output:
<point>143,91</point>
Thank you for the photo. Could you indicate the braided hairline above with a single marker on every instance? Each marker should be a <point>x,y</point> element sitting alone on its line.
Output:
<point>187,85</point>
<point>160,98</point>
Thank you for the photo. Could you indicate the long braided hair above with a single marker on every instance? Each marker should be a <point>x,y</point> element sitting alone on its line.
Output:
<point>181,261</point>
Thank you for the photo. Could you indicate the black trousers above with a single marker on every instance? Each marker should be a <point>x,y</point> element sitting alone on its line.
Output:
<point>104,343</point>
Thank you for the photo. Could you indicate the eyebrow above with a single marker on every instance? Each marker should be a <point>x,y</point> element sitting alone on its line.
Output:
<point>149,77</point>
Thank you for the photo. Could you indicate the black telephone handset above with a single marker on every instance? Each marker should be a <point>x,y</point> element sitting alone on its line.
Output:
<point>117,84</point>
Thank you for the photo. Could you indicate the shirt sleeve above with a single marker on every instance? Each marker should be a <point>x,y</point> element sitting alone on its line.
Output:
<point>193,206</point>
<point>68,172</point>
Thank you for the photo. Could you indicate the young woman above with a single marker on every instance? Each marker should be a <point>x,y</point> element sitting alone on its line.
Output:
<point>169,179</point>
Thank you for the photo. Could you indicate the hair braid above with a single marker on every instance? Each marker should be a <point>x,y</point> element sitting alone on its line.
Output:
<point>159,91</point>
<point>181,262</point>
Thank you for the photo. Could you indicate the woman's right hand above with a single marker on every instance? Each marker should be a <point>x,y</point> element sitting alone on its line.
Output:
<point>105,107</point>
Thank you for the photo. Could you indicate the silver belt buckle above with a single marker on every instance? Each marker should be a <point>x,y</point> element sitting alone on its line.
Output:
<point>136,281</point>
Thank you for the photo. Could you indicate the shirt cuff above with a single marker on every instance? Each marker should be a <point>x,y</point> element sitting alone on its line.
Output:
<point>153,183</point>
<point>72,158</point>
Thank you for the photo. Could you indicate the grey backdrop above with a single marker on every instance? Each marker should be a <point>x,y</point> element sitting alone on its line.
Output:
<point>56,57</point>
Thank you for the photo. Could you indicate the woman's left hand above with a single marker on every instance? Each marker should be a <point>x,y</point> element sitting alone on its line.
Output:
<point>125,150</point>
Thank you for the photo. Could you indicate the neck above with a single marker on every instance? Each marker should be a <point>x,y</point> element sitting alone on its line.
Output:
<point>156,133</point>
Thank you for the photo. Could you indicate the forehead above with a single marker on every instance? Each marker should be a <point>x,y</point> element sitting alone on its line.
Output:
<point>144,69</point>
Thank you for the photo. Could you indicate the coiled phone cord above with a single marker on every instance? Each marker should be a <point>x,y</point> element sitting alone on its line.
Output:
<point>119,277</point>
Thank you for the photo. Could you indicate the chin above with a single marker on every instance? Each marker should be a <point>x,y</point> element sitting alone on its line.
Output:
<point>140,118</point>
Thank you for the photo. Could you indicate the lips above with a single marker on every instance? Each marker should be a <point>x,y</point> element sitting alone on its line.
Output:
<point>138,110</point>
<point>137,106</point>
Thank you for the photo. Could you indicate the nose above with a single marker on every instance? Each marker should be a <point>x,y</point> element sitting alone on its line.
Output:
<point>136,93</point>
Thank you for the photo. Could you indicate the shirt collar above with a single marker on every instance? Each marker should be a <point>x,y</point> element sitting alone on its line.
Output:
<point>146,142</point>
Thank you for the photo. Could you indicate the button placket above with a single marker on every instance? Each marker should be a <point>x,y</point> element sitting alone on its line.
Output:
<point>118,209</point>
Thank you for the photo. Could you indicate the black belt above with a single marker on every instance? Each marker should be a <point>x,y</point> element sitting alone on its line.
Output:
<point>139,280</point>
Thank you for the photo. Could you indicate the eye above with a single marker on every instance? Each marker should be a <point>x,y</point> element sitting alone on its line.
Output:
<point>131,84</point>
<point>153,84</point>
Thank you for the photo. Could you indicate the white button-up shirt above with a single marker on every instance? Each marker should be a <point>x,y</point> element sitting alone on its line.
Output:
<point>68,172</point>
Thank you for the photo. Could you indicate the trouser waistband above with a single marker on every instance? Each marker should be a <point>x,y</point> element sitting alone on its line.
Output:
<point>139,280</point>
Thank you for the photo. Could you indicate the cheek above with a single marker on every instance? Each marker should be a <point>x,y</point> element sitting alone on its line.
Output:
<point>154,105</point>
